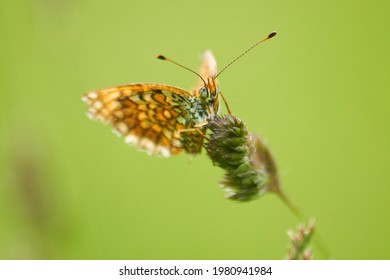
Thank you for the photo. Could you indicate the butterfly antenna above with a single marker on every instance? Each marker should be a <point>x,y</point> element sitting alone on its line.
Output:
<point>161,57</point>
<point>272,34</point>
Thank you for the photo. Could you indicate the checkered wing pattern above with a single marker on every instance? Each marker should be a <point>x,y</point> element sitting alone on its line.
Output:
<point>149,116</point>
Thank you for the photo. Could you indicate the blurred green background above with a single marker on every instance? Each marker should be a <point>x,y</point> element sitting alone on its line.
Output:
<point>318,93</point>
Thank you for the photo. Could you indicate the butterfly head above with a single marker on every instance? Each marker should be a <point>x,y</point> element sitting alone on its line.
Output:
<point>209,94</point>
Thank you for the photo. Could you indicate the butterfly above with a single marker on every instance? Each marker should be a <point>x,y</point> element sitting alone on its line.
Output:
<point>159,119</point>
<point>162,119</point>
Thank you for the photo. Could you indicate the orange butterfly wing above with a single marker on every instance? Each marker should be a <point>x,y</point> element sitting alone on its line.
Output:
<point>149,116</point>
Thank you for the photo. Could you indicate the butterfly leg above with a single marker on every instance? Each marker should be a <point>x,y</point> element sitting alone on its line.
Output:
<point>227,106</point>
<point>195,128</point>
<point>192,130</point>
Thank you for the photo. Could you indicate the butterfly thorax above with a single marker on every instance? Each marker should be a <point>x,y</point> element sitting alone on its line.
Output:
<point>197,110</point>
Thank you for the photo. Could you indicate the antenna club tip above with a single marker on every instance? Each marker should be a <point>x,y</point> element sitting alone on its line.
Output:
<point>272,34</point>
<point>161,57</point>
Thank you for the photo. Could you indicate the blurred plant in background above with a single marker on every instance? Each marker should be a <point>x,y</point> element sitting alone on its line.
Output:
<point>300,240</point>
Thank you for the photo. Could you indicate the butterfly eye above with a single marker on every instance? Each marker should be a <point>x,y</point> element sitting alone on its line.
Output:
<point>203,93</point>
